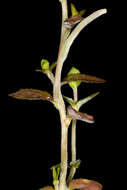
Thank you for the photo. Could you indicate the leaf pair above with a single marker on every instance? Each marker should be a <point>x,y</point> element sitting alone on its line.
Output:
<point>45,65</point>
<point>55,172</point>
<point>73,110</point>
<point>75,12</point>
<point>77,105</point>
<point>84,184</point>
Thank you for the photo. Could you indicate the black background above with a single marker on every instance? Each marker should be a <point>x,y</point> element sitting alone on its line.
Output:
<point>33,132</point>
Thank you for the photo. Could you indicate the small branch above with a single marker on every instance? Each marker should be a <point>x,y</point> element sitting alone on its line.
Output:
<point>73,140</point>
<point>48,73</point>
<point>50,76</point>
<point>77,30</point>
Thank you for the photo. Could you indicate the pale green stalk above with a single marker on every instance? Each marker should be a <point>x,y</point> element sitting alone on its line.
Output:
<point>77,30</point>
<point>73,140</point>
<point>65,45</point>
<point>59,102</point>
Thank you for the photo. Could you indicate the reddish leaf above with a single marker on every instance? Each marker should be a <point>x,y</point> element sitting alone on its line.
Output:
<point>72,113</point>
<point>72,21</point>
<point>31,94</point>
<point>83,78</point>
<point>84,184</point>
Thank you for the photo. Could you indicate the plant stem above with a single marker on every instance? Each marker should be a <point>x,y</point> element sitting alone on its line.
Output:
<point>64,35</point>
<point>73,140</point>
<point>64,155</point>
<point>60,102</point>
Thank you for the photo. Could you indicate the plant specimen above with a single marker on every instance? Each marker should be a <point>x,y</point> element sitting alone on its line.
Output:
<point>70,28</point>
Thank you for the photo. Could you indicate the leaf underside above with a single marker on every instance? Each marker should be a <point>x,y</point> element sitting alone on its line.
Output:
<point>83,78</point>
<point>85,184</point>
<point>31,94</point>
<point>73,114</point>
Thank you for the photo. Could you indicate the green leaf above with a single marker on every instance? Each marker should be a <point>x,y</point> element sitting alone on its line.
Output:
<point>85,184</point>
<point>82,12</point>
<point>83,78</point>
<point>44,64</point>
<point>76,83</point>
<point>70,101</point>
<point>73,114</point>
<point>73,10</point>
<point>55,171</point>
<point>52,66</point>
<point>75,164</point>
<point>85,100</point>
<point>31,94</point>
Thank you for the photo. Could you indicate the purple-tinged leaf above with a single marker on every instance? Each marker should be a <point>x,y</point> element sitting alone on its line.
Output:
<point>83,78</point>
<point>72,113</point>
<point>84,184</point>
<point>31,94</point>
<point>72,21</point>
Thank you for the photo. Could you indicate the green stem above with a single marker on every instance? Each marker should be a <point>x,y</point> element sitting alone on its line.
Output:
<point>59,102</point>
<point>64,155</point>
<point>73,140</point>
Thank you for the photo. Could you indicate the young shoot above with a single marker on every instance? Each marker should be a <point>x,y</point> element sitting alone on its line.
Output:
<point>70,28</point>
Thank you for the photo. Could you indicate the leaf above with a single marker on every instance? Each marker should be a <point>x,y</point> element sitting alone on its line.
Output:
<point>73,10</point>
<point>52,66</point>
<point>84,184</point>
<point>31,94</point>
<point>76,83</point>
<point>83,78</point>
<point>75,164</point>
<point>55,172</point>
<point>44,64</point>
<point>82,12</point>
<point>85,100</point>
<point>72,113</point>
<point>72,21</point>
<point>69,100</point>
<point>47,188</point>
<point>56,166</point>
